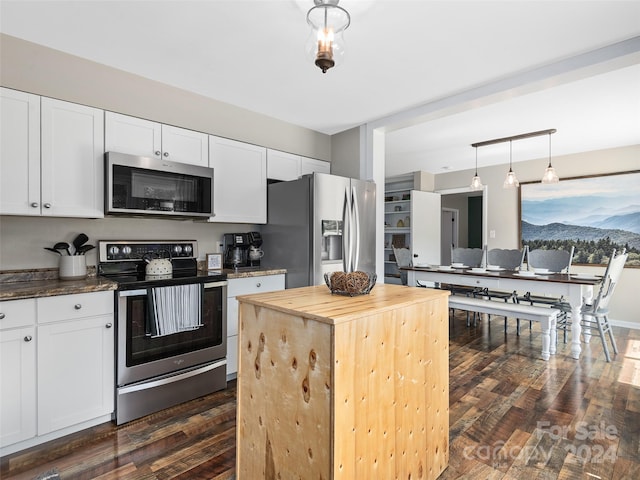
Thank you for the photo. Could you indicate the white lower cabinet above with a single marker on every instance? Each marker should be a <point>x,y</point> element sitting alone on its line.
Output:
<point>17,371</point>
<point>58,370</point>
<point>244,286</point>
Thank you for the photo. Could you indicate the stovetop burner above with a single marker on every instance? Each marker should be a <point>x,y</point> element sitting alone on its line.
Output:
<point>124,262</point>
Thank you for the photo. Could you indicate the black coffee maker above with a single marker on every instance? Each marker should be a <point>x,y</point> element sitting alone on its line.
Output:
<point>236,250</point>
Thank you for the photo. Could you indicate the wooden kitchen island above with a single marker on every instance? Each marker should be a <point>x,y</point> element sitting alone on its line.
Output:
<point>335,387</point>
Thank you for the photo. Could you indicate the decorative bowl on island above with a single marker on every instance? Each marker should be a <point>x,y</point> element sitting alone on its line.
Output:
<point>350,284</point>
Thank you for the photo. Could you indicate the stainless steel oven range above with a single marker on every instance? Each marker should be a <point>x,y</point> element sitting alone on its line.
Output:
<point>171,327</point>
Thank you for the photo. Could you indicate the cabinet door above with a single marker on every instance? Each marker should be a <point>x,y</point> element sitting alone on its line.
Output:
<point>240,181</point>
<point>311,165</point>
<point>75,372</point>
<point>17,385</point>
<point>19,153</point>
<point>185,146</point>
<point>132,135</point>
<point>282,165</point>
<point>72,160</point>
<point>244,286</point>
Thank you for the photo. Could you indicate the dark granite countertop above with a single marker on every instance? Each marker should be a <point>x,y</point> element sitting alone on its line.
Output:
<point>33,288</point>
<point>252,273</point>
<point>20,284</point>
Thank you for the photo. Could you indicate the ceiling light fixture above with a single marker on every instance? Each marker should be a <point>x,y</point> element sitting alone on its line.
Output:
<point>327,21</point>
<point>550,175</point>
<point>476,183</point>
<point>511,181</point>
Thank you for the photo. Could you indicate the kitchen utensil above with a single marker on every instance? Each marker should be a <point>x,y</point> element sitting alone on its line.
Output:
<point>80,240</point>
<point>52,250</point>
<point>62,246</point>
<point>82,249</point>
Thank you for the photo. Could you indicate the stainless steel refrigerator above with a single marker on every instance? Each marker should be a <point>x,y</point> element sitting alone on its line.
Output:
<point>317,224</point>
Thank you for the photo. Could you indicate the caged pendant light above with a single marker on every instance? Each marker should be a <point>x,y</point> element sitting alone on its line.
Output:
<point>511,181</point>
<point>550,175</point>
<point>476,183</point>
<point>325,44</point>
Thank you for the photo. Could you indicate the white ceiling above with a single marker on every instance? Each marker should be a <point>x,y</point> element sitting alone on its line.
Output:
<point>401,55</point>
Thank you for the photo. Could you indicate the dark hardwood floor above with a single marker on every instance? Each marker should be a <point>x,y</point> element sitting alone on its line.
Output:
<point>512,416</point>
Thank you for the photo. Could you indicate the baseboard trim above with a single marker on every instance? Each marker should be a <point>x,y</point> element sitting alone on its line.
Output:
<point>624,324</point>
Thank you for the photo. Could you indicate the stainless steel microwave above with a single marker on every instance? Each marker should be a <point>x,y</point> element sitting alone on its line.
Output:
<point>148,186</point>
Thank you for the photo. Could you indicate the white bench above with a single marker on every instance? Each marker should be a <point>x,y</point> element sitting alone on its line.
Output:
<point>546,316</point>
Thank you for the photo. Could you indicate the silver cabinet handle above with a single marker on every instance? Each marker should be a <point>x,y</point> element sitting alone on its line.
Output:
<point>157,152</point>
<point>1,316</point>
<point>108,325</point>
<point>77,306</point>
<point>28,338</point>
<point>258,285</point>
<point>34,205</point>
<point>47,205</point>
<point>165,154</point>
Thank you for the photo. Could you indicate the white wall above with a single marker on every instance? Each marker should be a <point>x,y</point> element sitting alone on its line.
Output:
<point>345,153</point>
<point>503,207</point>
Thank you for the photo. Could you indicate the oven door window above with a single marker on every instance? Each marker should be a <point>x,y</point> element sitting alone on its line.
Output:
<point>143,348</point>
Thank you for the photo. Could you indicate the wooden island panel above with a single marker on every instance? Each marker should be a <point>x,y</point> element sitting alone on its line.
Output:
<point>344,388</point>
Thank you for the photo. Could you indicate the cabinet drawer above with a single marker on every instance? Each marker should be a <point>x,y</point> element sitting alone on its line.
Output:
<point>70,307</point>
<point>245,286</point>
<point>17,313</point>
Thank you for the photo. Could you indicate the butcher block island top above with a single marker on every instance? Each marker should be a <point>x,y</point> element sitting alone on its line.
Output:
<point>336,387</point>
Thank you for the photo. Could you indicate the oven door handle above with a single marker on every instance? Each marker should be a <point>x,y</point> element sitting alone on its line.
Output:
<point>171,379</point>
<point>132,293</point>
<point>223,283</point>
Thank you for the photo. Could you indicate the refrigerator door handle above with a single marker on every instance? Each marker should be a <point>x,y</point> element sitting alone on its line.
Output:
<point>346,257</point>
<point>355,217</point>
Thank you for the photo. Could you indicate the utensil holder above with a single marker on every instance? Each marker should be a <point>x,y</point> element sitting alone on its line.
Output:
<point>72,267</point>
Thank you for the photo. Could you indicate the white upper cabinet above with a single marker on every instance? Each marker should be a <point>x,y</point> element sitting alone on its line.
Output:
<point>185,146</point>
<point>72,159</point>
<point>51,157</point>
<point>287,166</point>
<point>282,165</point>
<point>138,136</point>
<point>19,153</point>
<point>132,135</point>
<point>311,165</point>
<point>239,181</point>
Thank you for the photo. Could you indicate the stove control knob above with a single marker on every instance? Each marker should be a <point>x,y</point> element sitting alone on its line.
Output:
<point>126,250</point>
<point>188,249</point>
<point>177,249</point>
<point>113,251</point>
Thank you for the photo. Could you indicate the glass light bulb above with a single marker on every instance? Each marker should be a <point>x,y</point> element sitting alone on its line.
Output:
<point>550,175</point>
<point>511,181</point>
<point>476,183</point>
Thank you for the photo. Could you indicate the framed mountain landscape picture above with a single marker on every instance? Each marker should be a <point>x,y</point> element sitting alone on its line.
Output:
<point>594,214</point>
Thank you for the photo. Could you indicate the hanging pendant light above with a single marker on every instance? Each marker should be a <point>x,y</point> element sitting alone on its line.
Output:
<point>511,181</point>
<point>476,183</point>
<point>550,175</point>
<point>325,44</point>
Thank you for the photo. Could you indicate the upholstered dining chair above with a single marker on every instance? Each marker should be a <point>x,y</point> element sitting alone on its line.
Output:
<point>470,257</point>
<point>595,317</point>
<point>508,259</point>
<point>555,261</point>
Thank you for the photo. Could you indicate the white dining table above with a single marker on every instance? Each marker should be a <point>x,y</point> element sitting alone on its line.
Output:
<point>575,289</point>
